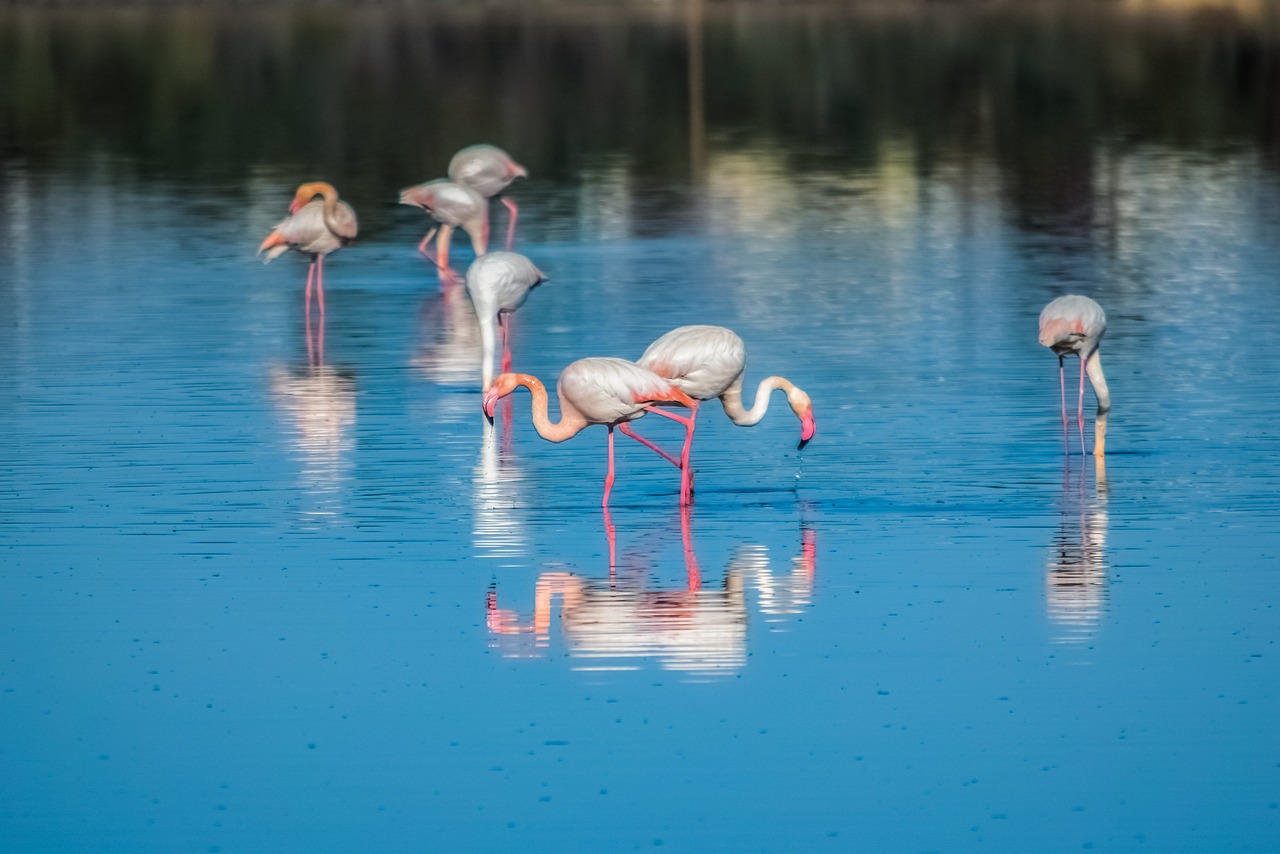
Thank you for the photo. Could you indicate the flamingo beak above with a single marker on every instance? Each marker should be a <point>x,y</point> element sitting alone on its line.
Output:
<point>295,205</point>
<point>490,401</point>
<point>807,429</point>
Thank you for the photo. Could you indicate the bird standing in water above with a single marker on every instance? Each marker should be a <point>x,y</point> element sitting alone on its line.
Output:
<point>453,206</point>
<point>1075,324</point>
<point>498,284</point>
<point>707,362</point>
<point>318,223</point>
<point>593,391</point>
<point>488,170</point>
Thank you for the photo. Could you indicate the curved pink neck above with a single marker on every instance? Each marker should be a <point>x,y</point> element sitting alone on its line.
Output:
<point>571,423</point>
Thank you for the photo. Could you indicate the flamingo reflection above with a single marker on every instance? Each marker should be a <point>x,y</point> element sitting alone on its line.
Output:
<point>497,499</point>
<point>618,622</point>
<point>321,404</point>
<point>1076,571</point>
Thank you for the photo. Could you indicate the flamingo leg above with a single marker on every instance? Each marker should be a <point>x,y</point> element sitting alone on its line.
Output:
<point>311,272</point>
<point>311,351</point>
<point>320,285</point>
<point>613,542</point>
<point>1080,409</point>
<point>608,478</point>
<point>504,325</point>
<point>686,476</point>
<point>424,247</point>
<point>511,224</point>
<point>442,249</point>
<point>627,431</point>
<point>1062,384</point>
<point>690,559</point>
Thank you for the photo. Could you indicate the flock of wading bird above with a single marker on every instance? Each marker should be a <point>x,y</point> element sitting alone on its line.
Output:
<point>682,368</point>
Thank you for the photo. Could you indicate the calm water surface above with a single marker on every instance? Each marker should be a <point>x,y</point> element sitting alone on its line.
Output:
<point>263,591</point>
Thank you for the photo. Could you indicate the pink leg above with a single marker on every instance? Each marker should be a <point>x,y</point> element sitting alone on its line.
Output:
<point>511,224</point>
<point>608,478</point>
<point>311,272</point>
<point>627,431</point>
<point>320,285</point>
<point>311,350</point>
<point>1062,384</point>
<point>1080,409</point>
<point>690,559</point>
<point>504,324</point>
<point>442,250</point>
<point>686,476</point>
<point>613,541</point>
<point>424,247</point>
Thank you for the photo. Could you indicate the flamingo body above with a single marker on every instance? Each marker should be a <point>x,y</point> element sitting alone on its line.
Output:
<point>318,224</point>
<point>1076,324</point>
<point>453,206</point>
<point>486,169</point>
<point>591,391</point>
<point>498,284</point>
<point>708,362</point>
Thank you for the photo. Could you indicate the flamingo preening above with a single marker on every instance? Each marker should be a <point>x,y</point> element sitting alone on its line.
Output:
<point>318,223</point>
<point>1075,324</point>
<point>594,391</point>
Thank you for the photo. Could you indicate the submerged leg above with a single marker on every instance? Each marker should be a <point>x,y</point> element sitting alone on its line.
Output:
<point>511,224</point>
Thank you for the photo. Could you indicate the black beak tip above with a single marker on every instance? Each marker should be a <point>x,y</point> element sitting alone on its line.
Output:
<point>803,442</point>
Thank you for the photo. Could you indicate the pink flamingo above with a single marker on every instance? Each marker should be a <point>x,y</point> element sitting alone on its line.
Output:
<point>488,170</point>
<point>316,226</point>
<point>454,206</point>
<point>593,391</point>
<point>498,284</point>
<point>706,362</point>
<point>1075,324</point>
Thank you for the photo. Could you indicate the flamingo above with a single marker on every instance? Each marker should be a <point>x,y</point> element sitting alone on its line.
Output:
<point>454,206</point>
<point>316,226</point>
<point>707,362</point>
<point>498,284</point>
<point>1075,324</point>
<point>598,390</point>
<point>488,170</point>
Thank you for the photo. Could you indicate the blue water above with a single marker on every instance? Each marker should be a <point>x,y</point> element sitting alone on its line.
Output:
<point>259,597</point>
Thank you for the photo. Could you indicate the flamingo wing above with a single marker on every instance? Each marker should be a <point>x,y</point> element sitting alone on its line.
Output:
<point>702,361</point>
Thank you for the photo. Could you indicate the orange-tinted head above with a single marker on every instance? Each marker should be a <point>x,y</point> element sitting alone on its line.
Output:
<point>503,385</point>
<point>307,192</point>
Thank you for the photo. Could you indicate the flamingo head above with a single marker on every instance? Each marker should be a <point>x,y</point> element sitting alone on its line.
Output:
<point>502,386</point>
<point>307,192</point>
<point>420,195</point>
<point>803,408</point>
